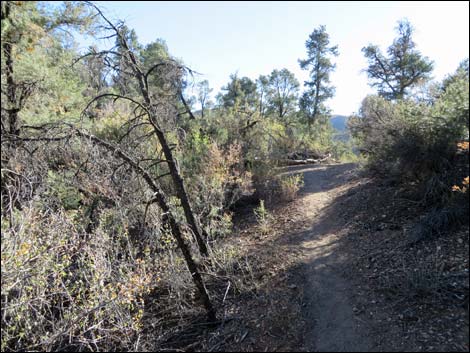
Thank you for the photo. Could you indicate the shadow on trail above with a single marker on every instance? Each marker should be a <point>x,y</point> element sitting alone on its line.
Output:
<point>321,288</point>
<point>320,177</point>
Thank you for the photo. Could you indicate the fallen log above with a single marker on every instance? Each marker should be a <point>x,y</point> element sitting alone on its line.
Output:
<point>304,161</point>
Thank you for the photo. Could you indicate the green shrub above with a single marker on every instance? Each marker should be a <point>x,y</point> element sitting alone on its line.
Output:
<point>409,140</point>
<point>263,217</point>
<point>59,188</point>
<point>290,186</point>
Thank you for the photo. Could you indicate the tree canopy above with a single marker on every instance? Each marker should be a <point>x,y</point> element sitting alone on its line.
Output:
<point>318,62</point>
<point>402,69</point>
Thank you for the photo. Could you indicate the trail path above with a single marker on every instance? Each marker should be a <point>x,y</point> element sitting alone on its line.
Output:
<point>329,308</point>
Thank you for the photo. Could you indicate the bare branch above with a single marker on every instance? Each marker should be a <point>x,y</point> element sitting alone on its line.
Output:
<point>116,97</point>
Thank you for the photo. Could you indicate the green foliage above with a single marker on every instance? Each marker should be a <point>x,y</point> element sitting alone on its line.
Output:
<point>42,84</point>
<point>263,217</point>
<point>412,140</point>
<point>403,69</point>
<point>262,84</point>
<point>343,151</point>
<point>290,186</point>
<point>59,89</point>
<point>152,54</point>
<point>453,106</point>
<point>203,96</point>
<point>121,81</point>
<point>240,93</point>
<point>198,144</point>
<point>109,126</point>
<point>59,188</point>
<point>319,51</point>
<point>282,93</point>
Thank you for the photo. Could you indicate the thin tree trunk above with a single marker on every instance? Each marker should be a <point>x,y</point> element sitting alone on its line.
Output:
<point>160,198</point>
<point>191,115</point>
<point>180,189</point>
<point>12,109</point>
<point>175,175</point>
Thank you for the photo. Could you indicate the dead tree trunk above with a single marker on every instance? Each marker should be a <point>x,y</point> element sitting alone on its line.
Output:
<point>162,202</point>
<point>153,119</point>
<point>149,109</point>
<point>12,110</point>
<point>180,190</point>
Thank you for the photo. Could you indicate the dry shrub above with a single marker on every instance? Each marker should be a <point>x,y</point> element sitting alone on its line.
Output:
<point>264,180</point>
<point>216,180</point>
<point>227,173</point>
<point>273,188</point>
<point>289,186</point>
<point>79,252</point>
<point>419,280</point>
<point>62,290</point>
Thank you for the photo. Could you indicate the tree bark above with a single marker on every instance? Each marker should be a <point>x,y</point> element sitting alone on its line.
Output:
<point>175,175</point>
<point>162,202</point>
<point>180,189</point>
<point>12,108</point>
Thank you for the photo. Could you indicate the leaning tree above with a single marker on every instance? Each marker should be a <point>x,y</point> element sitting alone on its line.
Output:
<point>142,143</point>
<point>154,107</point>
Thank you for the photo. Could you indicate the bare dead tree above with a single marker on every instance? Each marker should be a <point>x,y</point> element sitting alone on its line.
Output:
<point>155,106</point>
<point>152,109</point>
<point>162,201</point>
<point>68,132</point>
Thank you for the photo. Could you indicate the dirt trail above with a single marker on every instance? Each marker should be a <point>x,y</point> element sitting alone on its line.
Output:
<point>329,310</point>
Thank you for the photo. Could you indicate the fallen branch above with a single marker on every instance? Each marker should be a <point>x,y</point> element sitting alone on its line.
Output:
<point>304,161</point>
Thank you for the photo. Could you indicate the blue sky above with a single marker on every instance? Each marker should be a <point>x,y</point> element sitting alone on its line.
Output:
<point>253,38</point>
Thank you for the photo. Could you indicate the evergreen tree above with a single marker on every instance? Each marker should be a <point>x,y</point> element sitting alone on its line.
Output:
<point>203,96</point>
<point>262,84</point>
<point>318,88</point>
<point>241,93</point>
<point>283,93</point>
<point>404,67</point>
<point>37,51</point>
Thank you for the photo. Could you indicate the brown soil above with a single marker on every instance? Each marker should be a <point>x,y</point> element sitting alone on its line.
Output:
<point>337,272</point>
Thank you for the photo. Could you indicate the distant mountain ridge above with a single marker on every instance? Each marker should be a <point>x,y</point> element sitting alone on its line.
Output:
<point>339,122</point>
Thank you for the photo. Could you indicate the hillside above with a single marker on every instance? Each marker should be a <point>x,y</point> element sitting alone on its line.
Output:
<point>339,124</point>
